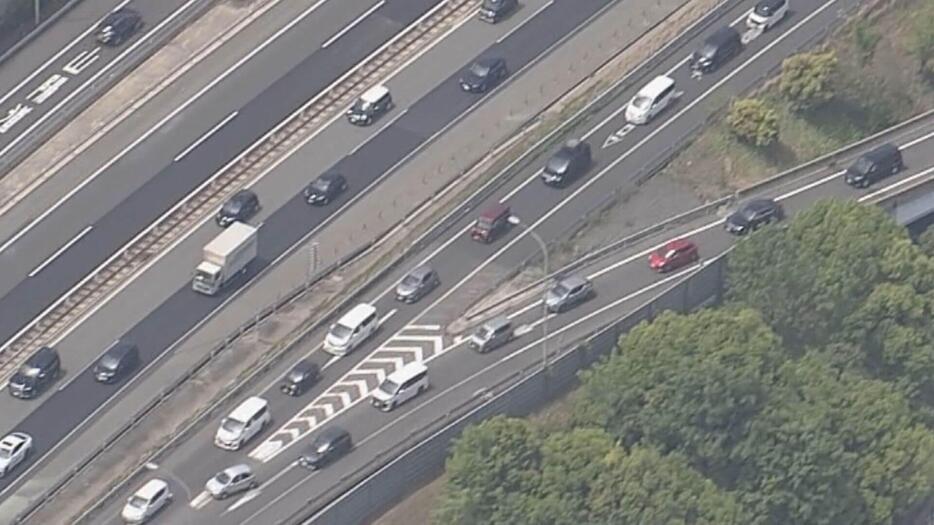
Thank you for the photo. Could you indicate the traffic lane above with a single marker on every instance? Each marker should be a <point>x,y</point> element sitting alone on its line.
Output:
<point>148,137</point>
<point>33,102</point>
<point>178,179</point>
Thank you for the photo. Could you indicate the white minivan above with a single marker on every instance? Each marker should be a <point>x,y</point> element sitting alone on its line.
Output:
<point>146,501</point>
<point>400,386</point>
<point>650,100</point>
<point>352,329</point>
<point>247,420</point>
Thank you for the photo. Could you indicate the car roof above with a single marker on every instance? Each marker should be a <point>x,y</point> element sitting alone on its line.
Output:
<point>248,407</point>
<point>120,349</point>
<point>120,14</point>
<point>678,244</point>
<point>722,35</point>
<point>243,195</point>
<point>331,434</point>
<point>571,281</point>
<point>407,372</point>
<point>356,315</point>
<point>881,151</point>
<point>656,86</point>
<point>13,439</point>
<point>305,366</point>
<point>420,272</point>
<point>488,61</point>
<point>375,93</point>
<point>758,204</point>
<point>771,4</point>
<point>330,175</point>
<point>494,210</point>
<point>240,468</point>
<point>496,322</point>
<point>149,489</point>
<point>43,356</point>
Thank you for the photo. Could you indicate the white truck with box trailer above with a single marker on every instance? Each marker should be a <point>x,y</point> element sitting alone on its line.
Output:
<point>224,258</point>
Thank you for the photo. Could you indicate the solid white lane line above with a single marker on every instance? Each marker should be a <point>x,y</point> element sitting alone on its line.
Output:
<point>58,252</point>
<point>352,24</point>
<point>372,135</point>
<point>589,182</point>
<point>149,132</point>
<point>525,21</point>
<point>57,55</point>
<point>890,187</point>
<point>205,137</point>
<point>104,70</point>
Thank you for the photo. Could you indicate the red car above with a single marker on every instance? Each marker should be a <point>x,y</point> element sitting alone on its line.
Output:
<point>673,255</point>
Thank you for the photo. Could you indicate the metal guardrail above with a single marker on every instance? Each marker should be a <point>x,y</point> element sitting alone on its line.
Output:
<point>156,238</point>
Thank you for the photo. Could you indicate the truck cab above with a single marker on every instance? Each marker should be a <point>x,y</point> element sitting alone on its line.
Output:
<point>225,257</point>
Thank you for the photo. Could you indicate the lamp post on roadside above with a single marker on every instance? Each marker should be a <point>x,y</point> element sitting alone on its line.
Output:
<point>514,220</point>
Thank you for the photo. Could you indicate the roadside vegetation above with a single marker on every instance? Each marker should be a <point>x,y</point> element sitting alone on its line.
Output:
<point>807,397</point>
<point>876,71</point>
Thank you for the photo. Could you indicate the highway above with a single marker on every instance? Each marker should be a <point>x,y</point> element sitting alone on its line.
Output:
<point>66,60</point>
<point>468,269</point>
<point>60,413</point>
<point>52,256</point>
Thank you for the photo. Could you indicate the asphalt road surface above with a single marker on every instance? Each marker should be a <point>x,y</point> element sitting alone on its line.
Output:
<point>37,278</point>
<point>400,134</point>
<point>464,266</point>
<point>65,60</point>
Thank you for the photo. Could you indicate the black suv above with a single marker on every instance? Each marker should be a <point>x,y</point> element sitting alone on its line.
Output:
<point>118,26</point>
<point>300,378</point>
<point>116,363</point>
<point>325,188</point>
<point>569,163</point>
<point>36,374</point>
<point>331,443</point>
<point>483,75</point>
<point>243,205</point>
<point>719,47</point>
<point>753,214</point>
<point>874,165</point>
<point>493,11</point>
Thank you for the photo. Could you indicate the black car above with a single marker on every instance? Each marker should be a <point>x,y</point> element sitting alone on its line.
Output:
<point>300,378</point>
<point>483,75</point>
<point>569,163</point>
<point>118,26</point>
<point>325,188</point>
<point>36,374</point>
<point>880,162</point>
<point>116,363</point>
<point>331,443</point>
<point>719,47</point>
<point>753,214</point>
<point>493,11</point>
<point>243,205</point>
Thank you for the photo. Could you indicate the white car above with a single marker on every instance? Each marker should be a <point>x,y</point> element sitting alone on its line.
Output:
<point>650,100</point>
<point>766,14</point>
<point>13,450</point>
<point>147,501</point>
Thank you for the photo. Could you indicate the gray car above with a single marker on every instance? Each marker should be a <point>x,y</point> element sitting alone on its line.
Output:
<point>567,292</point>
<point>230,481</point>
<point>417,284</point>
<point>491,335</point>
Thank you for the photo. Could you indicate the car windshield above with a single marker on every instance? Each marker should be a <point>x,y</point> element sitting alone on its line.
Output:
<point>642,102</point>
<point>862,165</point>
<point>233,206</point>
<point>485,222</point>
<point>322,447</point>
<point>481,70</point>
<point>6,453</point>
<point>341,332</point>
<point>764,9</point>
<point>109,362</point>
<point>560,290</point>
<point>484,333</point>
<point>410,281</point>
<point>232,425</point>
<point>321,184</point>
<point>30,371</point>
<point>389,387</point>
<point>361,106</point>
<point>222,477</point>
<point>138,502</point>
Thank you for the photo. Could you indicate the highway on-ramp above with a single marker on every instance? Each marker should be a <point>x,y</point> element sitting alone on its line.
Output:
<point>468,269</point>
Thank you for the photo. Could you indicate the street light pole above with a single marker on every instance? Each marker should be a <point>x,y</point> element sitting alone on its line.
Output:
<point>36,10</point>
<point>544,247</point>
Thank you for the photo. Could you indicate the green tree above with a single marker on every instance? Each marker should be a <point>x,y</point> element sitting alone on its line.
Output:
<point>921,37</point>
<point>688,384</point>
<point>807,79</point>
<point>493,473</point>
<point>926,242</point>
<point>644,487</point>
<point>752,121</point>
<point>807,278</point>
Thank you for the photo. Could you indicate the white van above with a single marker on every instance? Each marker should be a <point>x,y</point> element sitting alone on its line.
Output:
<point>650,100</point>
<point>352,329</point>
<point>400,386</point>
<point>146,501</point>
<point>243,423</point>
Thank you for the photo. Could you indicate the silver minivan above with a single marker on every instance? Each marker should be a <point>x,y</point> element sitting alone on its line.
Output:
<point>491,335</point>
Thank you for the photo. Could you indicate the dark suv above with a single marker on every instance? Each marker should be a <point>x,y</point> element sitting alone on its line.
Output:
<point>116,363</point>
<point>874,165</point>
<point>243,205</point>
<point>722,45</point>
<point>118,26</point>
<point>325,188</point>
<point>753,214</point>
<point>493,11</point>
<point>569,163</point>
<point>483,75</point>
<point>330,444</point>
<point>36,374</point>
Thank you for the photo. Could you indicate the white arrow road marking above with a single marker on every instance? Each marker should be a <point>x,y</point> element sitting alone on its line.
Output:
<point>328,409</point>
<point>417,350</point>
<point>617,136</point>
<point>346,398</point>
<point>522,330</point>
<point>201,500</point>
<point>266,450</point>
<point>398,362</point>
<point>360,384</point>
<point>292,432</point>
<point>248,497</point>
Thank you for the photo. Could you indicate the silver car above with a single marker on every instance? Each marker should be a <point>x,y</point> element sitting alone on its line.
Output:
<point>417,284</point>
<point>568,292</point>
<point>230,481</point>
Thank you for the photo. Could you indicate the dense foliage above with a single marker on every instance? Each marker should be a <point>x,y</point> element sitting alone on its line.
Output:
<point>807,79</point>
<point>806,398</point>
<point>753,121</point>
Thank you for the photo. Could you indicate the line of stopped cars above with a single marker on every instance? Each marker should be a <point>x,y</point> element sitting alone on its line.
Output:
<point>567,165</point>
